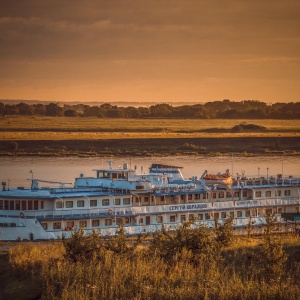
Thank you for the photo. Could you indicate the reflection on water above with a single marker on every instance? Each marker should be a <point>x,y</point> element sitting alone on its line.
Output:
<point>66,169</point>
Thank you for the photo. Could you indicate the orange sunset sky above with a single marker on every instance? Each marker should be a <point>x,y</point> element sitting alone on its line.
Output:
<point>141,50</point>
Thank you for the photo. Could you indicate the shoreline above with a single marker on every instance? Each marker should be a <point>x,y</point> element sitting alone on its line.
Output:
<point>238,146</point>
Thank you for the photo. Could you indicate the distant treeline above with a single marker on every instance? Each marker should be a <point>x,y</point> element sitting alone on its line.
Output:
<point>226,109</point>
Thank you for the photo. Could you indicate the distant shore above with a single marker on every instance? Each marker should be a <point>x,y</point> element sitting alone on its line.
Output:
<point>243,146</point>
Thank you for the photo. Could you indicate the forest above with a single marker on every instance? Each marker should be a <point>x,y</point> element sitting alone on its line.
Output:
<point>225,109</point>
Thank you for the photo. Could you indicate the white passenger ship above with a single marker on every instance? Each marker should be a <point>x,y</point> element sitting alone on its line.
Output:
<point>144,202</point>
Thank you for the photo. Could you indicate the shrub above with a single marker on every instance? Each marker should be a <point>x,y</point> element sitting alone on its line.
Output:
<point>13,146</point>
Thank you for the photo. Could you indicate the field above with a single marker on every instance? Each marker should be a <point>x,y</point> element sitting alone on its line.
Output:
<point>62,128</point>
<point>65,136</point>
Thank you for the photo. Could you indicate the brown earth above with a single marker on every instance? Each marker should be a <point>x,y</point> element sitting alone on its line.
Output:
<point>152,147</point>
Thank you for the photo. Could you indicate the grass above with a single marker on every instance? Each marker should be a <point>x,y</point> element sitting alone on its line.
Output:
<point>144,275</point>
<point>62,128</point>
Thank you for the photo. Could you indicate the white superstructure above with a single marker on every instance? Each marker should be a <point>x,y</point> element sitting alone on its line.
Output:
<point>143,202</point>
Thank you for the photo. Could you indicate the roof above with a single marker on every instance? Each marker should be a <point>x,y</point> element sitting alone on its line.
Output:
<point>162,166</point>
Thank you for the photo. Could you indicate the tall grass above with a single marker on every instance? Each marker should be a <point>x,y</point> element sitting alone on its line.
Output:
<point>142,273</point>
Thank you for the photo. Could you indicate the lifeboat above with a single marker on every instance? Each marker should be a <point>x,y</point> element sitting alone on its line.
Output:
<point>224,178</point>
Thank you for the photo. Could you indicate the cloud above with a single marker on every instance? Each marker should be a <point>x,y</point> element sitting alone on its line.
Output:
<point>123,41</point>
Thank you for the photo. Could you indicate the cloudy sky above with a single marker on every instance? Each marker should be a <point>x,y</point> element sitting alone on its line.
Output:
<point>142,50</point>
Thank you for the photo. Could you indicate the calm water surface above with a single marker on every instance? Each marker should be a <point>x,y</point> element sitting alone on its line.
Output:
<point>17,169</point>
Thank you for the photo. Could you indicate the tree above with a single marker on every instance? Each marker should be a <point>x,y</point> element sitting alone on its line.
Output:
<point>54,110</point>
<point>24,109</point>
<point>271,258</point>
<point>70,113</point>
<point>224,233</point>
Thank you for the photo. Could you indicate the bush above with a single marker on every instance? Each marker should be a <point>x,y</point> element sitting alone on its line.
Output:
<point>13,146</point>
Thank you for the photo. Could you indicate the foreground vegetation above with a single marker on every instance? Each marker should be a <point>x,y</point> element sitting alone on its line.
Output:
<point>187,264</point>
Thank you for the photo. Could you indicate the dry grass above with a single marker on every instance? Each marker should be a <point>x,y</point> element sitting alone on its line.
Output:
<point>62,128</point>
<point>146,276</point>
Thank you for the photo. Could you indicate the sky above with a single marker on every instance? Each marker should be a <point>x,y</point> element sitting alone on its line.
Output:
<point>142,50</point>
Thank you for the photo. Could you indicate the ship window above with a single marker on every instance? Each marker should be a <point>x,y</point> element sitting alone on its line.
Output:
<point>45,226</point>
<point>59,204</point>
<point>69,204</point>
<point>23,204</point>
<point>278,193</point>
<point>141,220</point>
<point>244,193</point>
<point>204,196</point>
<point>30,205</point>
<point>42,204</point>
<point>191,217</point>
<point>83,223</point>
<point>200,217</point>
<point>223,215</point>
<point>126,201</point>
<point>236,194</point>
<point>56,225</point>
<point>257,194</point>
<point>172,219</point>
<point>70,225</point>
<point>268,193</point>
<point>127,220</point>
<point>146,199</point>
<point>182,197</point>
<point>18,205</point>
<point>105,202</point>
<point>117,201</point>
<point>248,213</point>
<point>207,216</point>
<point>11,204</point>
<point>287,193</point>
<point>80,203</point>
<point>95,223</point>
<point>93,202</point>
<point>106,175</point>
<point>228,195</point>
<point>1,204</point>
<point>140,187</point>
<point>190,197</point>
<point>280,210</point>
<point>231,214</point>
<point>159,219</point>
<point>216,216</point>
<point>35,204</point>
<point>221,195</point>
<point>214,195</point>
<point>6,204</point>
<point>183,218</point>
<point>239,213</point>
<point>119,221</point>
<point>108,222</point>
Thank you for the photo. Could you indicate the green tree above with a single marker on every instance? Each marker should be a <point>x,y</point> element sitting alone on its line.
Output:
<point>224,233</point>
<point>271,258</point>
<point>54,110</point>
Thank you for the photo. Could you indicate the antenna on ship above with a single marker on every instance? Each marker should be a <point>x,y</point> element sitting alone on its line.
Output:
<point>110,164</point>
<point>232,163</point>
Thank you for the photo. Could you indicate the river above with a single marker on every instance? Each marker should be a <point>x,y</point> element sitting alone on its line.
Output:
<point>16,170</point>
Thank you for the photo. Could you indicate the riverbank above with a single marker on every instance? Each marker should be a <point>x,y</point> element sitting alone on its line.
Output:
<point>243,146</point>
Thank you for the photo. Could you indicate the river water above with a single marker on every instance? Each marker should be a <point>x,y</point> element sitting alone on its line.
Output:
<point>16,170</point>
